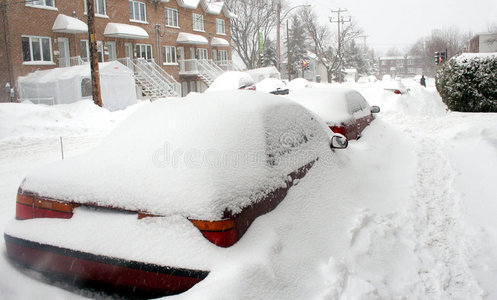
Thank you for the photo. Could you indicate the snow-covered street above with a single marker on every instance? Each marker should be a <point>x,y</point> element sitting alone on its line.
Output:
<point>407,211</point>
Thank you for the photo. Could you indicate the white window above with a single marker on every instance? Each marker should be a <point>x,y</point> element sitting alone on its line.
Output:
<point>198,22</point>
<point>100,51</point>
<point>171,17</point>
<point>220,26</point>
<point>43,3</point>
<point>202,53</point>
<point>143,51</point>
<point>111,51</point>
<point>137,11</point>
<point>223,55</point>
<point>37,49</point>
<point>85,51</point>
<point>169,53</point>
<point>100,7</point>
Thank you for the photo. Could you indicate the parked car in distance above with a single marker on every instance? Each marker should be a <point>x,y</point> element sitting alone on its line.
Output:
<point>344,110</point>
<point>395,86</point>
<point>273,86</point>
<point>232,80</point>
<point>144,213</point>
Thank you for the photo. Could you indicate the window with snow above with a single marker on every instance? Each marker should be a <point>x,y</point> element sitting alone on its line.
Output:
<point>37,49</point>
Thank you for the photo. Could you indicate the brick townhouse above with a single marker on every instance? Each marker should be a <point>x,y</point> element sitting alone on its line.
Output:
<point>400,66</point>
<point>188,39</point>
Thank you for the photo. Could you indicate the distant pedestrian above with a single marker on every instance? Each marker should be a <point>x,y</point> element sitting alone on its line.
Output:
<point>423,81</point>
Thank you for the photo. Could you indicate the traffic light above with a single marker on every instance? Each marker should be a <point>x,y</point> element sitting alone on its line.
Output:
<point>437,58</point>
<point>305,65</point>
<point>443,56</point>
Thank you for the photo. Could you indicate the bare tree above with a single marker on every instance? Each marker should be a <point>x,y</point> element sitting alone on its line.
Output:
<point>254,17</point>
<point>325,43</point>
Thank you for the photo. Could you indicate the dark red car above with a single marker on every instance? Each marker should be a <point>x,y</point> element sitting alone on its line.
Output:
<point>344,110</point>
<point>146,212</point>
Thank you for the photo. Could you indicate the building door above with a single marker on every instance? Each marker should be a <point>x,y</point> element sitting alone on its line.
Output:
<point>111,51</point>
<point>64,55</point>
<point>214,55</point>
<point>181,58</point>
<point>128,50</point>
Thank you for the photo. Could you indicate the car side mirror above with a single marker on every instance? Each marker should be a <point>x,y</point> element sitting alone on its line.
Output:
<point>339,142</point>
<point>375,109</point>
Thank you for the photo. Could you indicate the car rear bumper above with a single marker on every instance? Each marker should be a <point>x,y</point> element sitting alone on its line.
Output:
<point>102,272</point>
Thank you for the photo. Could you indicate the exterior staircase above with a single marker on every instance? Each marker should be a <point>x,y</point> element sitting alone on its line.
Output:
<point>153,80</point>
<point>205,69</point>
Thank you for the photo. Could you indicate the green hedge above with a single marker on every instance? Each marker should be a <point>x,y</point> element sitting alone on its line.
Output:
<point>468,83</point>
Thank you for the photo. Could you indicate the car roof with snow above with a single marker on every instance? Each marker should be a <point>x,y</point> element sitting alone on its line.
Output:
<point>194,156</point>
<point>329,103</point>
<point>231,80</point>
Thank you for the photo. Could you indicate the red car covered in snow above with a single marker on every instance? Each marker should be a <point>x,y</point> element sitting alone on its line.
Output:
<point>344,110</point>
<point>146,212</point>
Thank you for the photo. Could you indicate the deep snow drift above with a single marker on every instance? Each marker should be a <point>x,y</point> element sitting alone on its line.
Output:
<point>406,211</point>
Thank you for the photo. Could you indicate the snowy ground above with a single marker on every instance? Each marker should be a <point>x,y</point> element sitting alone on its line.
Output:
<point>405,212</point>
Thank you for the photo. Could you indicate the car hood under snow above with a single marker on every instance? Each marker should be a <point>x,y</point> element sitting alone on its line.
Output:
<point>194,156</point>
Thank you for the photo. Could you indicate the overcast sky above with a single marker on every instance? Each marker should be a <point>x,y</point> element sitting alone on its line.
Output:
<point>399,23</point>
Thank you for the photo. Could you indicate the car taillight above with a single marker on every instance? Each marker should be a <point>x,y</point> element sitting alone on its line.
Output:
<point>397,92</point>
<point>338,129</point>
<point>30,207</point>
<point>221,233</point>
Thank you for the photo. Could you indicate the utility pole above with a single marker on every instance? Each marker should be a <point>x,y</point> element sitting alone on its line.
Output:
<point>95,74</point>
<point>338,21</point>
<point>289,57</point>
<point>278,37</point>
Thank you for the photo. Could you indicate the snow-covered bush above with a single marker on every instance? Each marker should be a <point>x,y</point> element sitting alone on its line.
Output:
<point>468,82</point>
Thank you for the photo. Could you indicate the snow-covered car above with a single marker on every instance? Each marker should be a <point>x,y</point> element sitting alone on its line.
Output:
<point>344,110</point>
<point>395,86</point>
<point>232,80</point>
<point>273,86</point>
<point>146,212</point>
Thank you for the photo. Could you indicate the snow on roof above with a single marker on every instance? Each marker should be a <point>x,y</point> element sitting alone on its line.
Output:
<point>219,42</point>
<point>189,38</point>
<point>192,156</point>
<point>66,24</point>
<point>327,102</point>
<point>119,30</point>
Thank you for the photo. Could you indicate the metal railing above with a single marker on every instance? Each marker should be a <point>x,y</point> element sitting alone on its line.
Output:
<point>154,81</point>
<point>204,68</point>
<point>227,65</point>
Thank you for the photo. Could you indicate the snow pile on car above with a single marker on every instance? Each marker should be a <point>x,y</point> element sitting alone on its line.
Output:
<point>193,156</point>
<point>328,102</point>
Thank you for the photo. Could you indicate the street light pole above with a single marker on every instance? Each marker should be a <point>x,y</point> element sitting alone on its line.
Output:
<point>278,34</point>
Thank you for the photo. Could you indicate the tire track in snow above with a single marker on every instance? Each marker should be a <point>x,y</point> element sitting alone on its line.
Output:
<point>442,266</point>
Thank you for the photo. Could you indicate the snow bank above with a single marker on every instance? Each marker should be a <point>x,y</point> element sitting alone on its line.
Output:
<point>26,120</point>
